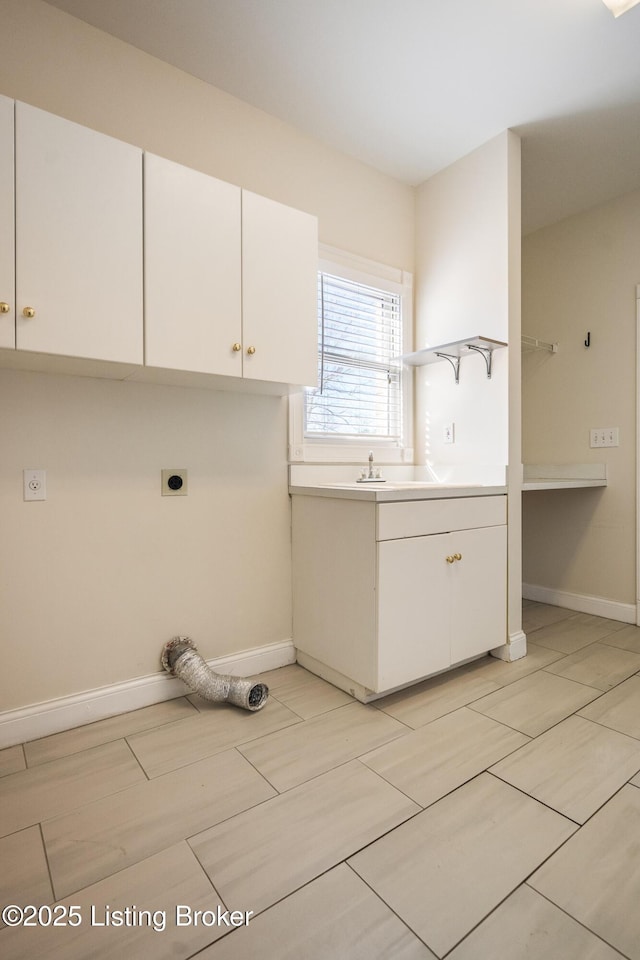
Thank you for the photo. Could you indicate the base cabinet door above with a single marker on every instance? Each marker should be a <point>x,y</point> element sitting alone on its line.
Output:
<point>78,240</point>
<point>479,591</point>
<point>414,617</point>
<point>7,233</point>
<point>193,313</point>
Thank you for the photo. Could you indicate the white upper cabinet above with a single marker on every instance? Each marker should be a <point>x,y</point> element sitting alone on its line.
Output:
<point>192,259</point>
<point>78,240</point>
<point>279,292</point>
<point>229,277</point>
<point>7,227</point>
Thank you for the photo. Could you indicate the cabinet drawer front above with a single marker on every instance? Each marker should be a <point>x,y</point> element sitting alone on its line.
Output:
<point>417,518</point>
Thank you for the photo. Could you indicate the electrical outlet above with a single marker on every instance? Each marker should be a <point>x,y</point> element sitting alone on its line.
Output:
<point>174,483</point>
<point>449,433</point>
<point>34,484</point>
<point>605,437</point>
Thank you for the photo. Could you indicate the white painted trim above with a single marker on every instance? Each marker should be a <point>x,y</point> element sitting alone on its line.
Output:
<point>598,606</point>
<point>637,619</point>
<point>53,716</point>
<point>516,649</point>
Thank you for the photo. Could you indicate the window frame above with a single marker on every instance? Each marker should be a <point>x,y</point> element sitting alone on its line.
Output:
<point>304,449</point>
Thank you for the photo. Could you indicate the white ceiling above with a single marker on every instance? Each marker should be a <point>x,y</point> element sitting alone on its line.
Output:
<point>409,86</point>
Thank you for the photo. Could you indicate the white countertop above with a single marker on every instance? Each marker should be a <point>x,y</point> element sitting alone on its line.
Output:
<point>394,490</point>
<point>563,476</point>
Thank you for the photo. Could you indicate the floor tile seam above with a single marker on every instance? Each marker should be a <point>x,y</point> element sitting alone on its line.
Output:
<point>531,796</point>
<point>46,860</point>
<point>36,768</point>
<point>74,810</point>
<point>131,866</point>
<point>216,752</point>
<point>344,858</point>
<point>103,743</point>
<point>575,919</point>
<point>279,793</point>
<point>453,789</point>
<point>509,726</point>
<point>380,709</point>
<point>592,685</point>
<point>323,773</point>
<point>67,810</point>
<point>521,883</point>
<point>606,726</point>
<point>274,696</point>
<point>583,646</point>
<point>615,646</point>
<point>344,760</point>
<point>317,720</point>
<point>137,759</point>
<point>389,907</point>
<point>574,713</point>
<point>511,729</point>
<point>560,813</point>
<point>313,716</point>
<point>447,713</point>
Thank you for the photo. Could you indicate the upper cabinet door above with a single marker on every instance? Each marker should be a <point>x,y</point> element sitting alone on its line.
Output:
<point>78,240</point>
<point>7,227</point>
<point>279,292</point>
<point>192,270</point>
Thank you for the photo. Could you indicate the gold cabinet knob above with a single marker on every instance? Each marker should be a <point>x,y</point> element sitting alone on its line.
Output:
<point>251,351</point>
<point>28,312</point>
<point>4,307</point>
<point>457,556</point>
<point>451,559</point>
<point>237,347</point>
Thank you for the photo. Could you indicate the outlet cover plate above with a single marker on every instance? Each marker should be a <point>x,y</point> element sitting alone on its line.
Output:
<point>174,482</point>
<point>34,484</point>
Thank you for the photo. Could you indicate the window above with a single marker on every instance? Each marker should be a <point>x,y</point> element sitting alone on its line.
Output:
<point>359,385</point>
<point>362,399</point>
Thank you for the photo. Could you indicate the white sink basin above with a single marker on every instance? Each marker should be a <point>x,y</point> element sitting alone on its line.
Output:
<point>397,485</point>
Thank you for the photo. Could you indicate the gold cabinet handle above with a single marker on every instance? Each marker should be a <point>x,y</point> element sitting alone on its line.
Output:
<point>29,312</point>
<point>251,351</point>
<point>451,559</point>
<point>4,307</point>
<point>457,556</point>
<point>237,347</point>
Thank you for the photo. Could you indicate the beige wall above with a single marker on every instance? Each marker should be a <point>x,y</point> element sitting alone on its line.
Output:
<point>96,578</point>
<point>580,275</point>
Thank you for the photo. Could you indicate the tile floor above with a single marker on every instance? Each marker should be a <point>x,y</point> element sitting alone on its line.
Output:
<point>494,812</point>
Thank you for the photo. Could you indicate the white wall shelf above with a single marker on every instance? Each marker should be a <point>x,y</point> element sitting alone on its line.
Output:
<point>453,353</point>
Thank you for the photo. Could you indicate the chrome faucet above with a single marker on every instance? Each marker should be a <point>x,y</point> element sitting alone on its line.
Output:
<point>371,476</point>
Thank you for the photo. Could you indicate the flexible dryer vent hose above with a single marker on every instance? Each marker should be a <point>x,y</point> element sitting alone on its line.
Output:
<point>180,657</point>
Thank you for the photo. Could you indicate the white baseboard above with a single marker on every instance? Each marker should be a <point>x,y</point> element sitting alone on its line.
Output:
<point>514,650</point>
<point>53,716</point>
<point>598,606</point>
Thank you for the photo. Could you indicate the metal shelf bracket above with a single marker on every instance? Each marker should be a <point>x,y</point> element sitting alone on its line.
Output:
<point>454,361</point>
<point>485,352</point>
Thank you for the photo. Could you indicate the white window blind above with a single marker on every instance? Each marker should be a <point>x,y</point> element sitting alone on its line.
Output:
<point>359,333</point>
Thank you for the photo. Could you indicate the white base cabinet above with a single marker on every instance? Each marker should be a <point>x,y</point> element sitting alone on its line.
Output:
<point>375,608</point>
